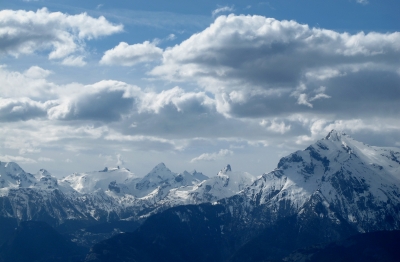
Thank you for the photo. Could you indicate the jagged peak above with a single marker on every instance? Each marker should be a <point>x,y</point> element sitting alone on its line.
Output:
<point>160,167</point>
<point>335,135</point>
<point>113,169</point>
<point>194,172</point>
<point>43,172</point>
<point>186,173</point>
<point>226,169</point>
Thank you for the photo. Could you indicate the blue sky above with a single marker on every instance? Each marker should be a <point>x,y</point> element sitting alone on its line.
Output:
<point>88,84</point>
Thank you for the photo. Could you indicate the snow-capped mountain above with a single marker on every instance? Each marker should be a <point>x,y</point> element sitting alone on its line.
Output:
<point>227,183</point>
<point>109,194</point>
<point>25,196</point>
<point>91,182</point>
<point>333,189</point>
<point>12,176</point>
<point>349,179</point>
<point>160,180</point>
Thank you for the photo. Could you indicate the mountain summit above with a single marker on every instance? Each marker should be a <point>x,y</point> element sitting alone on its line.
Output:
<point>354,182</point>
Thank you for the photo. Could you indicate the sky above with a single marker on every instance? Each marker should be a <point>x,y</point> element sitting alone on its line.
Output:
<point>195,85</point>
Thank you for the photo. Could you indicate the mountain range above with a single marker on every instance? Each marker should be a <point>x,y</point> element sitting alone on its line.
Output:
<point>110,196</point>
<point>333,189</point>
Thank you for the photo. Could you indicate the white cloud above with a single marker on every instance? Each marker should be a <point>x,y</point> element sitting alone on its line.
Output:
<point>320,127</point>
<point>222,10</point>
<point>171,37</point>
<point>17,159</point>
<point>23,109</point>
<point>319,96</point>
<point>129,55</point>
<point>103,101</point>
<point>275,126</point>
<point>74,61</point>
<point>120,161</point>
<point>252,64</point>
<point>212,156</point>
<point>25,32</point>
<point>364,2</point>
<point>147,142</point>
<point>154,102</point>
<point>32,83</point>
<point>303,100</point>
<point>36,72</point>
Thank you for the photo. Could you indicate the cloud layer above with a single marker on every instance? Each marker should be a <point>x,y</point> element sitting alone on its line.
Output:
<point>257,66</point>
<point>26,32</point>
<point>242,86</point>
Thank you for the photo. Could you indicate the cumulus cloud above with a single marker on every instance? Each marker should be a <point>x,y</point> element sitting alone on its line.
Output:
<point>275,126</point>
<point>177,97</point>
<point>103,101</point>
<point>212,156</point>
<point>245,83</point>
<point>36,72</point>
<point>23,109</point>
<point>25,32</point>
<point>32,96</point>
<point>253,65</point>
<point>32,83</point>
<point>129,55</point>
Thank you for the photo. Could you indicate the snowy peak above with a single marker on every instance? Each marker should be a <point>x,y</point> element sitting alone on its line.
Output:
<point>157,175</point>
<point>90,182</point>
<point>45,180</point>
<point>335,135</point>
<point>160,172</point>
<point>43,173</point>
<point>13,176</point>
<point>225,171</point>
<point>160,180</point>
<point>225,184</point>
<point>353,180</point>
<point>11,168</point>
